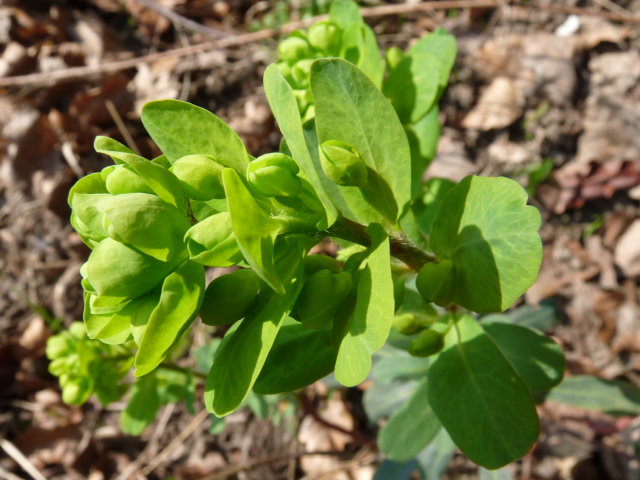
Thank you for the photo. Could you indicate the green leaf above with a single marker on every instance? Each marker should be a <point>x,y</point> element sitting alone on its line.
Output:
<point>441,44</point>
<point>479,398</point>
<point>179,302</point>
<point>285,110</point>
<point>423,137</point>
<point>229,297</point>
<point>345,13</point>
<point>485,227</point>
<point>410,428</point>
<point>349,108</point>
<point>542,317</point>
<point>180,129</point>
<point>435,191</point>
<point>142,406</point>
<point>609,396</point>
<point>382,399</point>
<point>390,470</point>
<point>368,326</point>
<point>537,359</point>
<point>255,231</point>
<point>164,183</point>
<point>298,358</point>
<point>413,86</point>
<point>245,347</point>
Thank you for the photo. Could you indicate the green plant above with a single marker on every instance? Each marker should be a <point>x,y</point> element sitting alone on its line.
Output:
<point>420,257</point>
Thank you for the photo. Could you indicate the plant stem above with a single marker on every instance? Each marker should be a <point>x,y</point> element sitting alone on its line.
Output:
<point>400,247</point>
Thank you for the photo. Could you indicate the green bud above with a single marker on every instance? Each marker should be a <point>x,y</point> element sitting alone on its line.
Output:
<point>321,297</point>
<point>212,242</point>
<point>200,176</point>
<point>228,298</point>
<point>398,291</point>
<point>62,365</point>
<point>436,282</point>
<point>426,343</point>
<point>301,71</point>
<point>303,98</point>
<point>122,179</point>
<point>406,323</point>
<point>78,330</point>
<point>343,164</point>
<point>76,389</point>
<point>58,346</point>
<point>315,263</point>
<point>393,56</point>
<point>294,48</point>
<point>275,174</point>
<point>325,36</point>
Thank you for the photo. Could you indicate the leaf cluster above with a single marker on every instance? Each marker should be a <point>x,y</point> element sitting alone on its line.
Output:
<point>358,132</point>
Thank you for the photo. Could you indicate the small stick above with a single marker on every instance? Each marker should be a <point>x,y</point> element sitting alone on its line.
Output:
<point>122,128</point>
<point>20,459</point>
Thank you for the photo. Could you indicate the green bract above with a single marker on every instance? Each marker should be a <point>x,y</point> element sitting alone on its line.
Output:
<point>357,140</point>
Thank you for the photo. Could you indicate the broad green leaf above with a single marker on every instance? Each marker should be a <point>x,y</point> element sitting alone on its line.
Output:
<point>158,178</point>
<point>367,328</point>
<point>485,227</point>
<point>443,46</point>
<point>109,144</point>
<point>115,270</point>
<point>349,108</point>
<point>142,406</point>
<point>140,318</point>
<point>434,192</point>
<point>245,347</point>
<point>537,359</point>
<point>479,398</point>
<point>180,129</point>
<point>298,358</point>
<point>393,364</point>
<point>423,137</point>
<point>345,13</point>
<point>413,86</point>
<point>410,428</point>
<point>434,460</point>
<point>610,396</point>
<point>179,302</point>
<point>542,317</point>
<point>285,110</point>
<point>255,230</point>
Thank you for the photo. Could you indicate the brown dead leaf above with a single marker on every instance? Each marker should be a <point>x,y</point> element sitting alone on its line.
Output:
<point>499,106</point>
<point>627,252</point>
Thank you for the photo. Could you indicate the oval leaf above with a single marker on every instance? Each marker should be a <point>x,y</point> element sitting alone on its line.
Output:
<point>481,401</point>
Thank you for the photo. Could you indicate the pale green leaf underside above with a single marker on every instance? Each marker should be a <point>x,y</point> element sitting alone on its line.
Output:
<point>593,393</point>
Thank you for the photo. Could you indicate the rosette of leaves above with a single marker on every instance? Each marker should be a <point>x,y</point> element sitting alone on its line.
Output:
<point>292,318</point>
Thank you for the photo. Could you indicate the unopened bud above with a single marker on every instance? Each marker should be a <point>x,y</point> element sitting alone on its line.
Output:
<point>343,164</point>
<point>200,176</point>
<point>325,36</point>
<point>428,342</point>
<point>294,48</point>
<point>275,174</point>
<point>436,282</point>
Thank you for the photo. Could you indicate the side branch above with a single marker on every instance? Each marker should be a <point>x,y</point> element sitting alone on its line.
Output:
<point>400,247</point>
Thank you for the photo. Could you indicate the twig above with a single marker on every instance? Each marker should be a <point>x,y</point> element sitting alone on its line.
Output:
<point>7,475</point>
<point>122,128</point>
<point>185,22</point>
<point>20,459</point>
<point>43,79</point>
<point>182,436</point>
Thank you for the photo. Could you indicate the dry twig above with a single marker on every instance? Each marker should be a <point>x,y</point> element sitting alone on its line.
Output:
<point>20,459</point>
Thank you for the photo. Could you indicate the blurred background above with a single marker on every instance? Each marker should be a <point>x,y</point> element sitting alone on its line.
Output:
<point>545,93</point>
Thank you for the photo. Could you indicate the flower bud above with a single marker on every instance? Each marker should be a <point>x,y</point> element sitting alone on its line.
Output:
<point>294,48</point>
<point>343,164</point>
<point>325,36</point>
<point>75,389</point>
<point>228,298</point>
<point>406,323</point>
<point>426,343</point>
<point>58,346</point>
<point>301,71</point>
<point>200,176</point>
<point>275,174</point>
<point>436,282</point>
<point>212,242</point>
<point>315,263</point>
<point>321,297</point>
<point>393,56</point>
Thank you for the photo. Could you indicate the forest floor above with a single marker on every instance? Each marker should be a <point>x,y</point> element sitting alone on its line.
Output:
<point>546,94</point>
